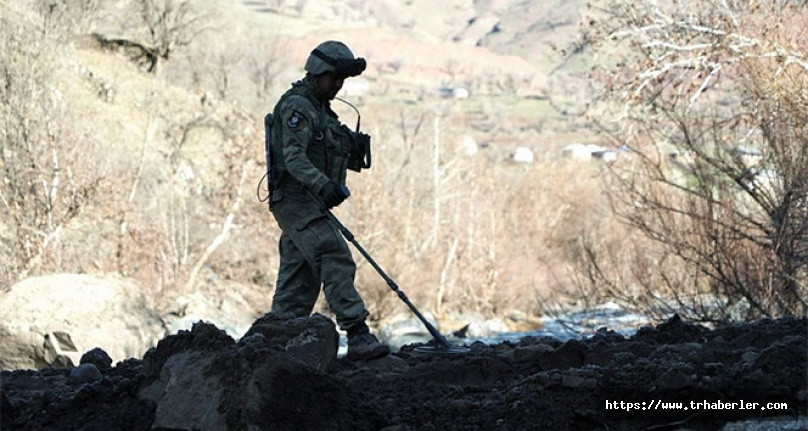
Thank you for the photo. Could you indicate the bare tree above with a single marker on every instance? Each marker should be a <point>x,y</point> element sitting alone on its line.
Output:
<point>74,16</point>
<point>166,26</point>
<point>264,66</point>
<point>718,88</point>
<point>170,23</point>
<point>44,181</point>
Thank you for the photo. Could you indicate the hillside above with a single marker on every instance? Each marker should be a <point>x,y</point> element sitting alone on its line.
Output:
<point>153,133</point>
<point>135,148</point>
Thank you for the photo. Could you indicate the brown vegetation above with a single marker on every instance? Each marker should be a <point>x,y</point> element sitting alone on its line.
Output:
<point>720,88</point>
<point>109,169</point>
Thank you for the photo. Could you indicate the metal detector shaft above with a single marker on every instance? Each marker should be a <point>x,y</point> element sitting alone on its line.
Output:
<point>392,284</point>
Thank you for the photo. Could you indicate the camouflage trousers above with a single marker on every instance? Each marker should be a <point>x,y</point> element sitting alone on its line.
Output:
<point>313,253</point>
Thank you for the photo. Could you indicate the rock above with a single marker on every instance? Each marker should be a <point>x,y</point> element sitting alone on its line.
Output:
<point>621,358</point>
<point>676,330</point>
<point>407,329</point>
<point>97,357</point>
<point>681,352</point>
<point>284,374</point>
<point>312,341</point>
<point>570,354</point>
<point>477,326</point>
<point>397,428</point>
<point>50,319</point>
<point>524,354</point>
<point>387,363</point>
<point>784,424</point>
<point>84,373</point>
<point>203,380</point>
<point>674,378</point>
<point>233,308</point>
<point>189,398</point>
<point>575,382</point>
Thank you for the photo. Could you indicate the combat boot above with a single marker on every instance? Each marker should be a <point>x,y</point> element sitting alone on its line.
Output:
<point>363,345</point>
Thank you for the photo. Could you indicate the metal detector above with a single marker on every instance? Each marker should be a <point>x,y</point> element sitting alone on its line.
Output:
<point>441,346</point>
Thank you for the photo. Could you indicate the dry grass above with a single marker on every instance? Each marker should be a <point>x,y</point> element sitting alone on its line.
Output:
<point>178,155</point>
<point>458,233</point>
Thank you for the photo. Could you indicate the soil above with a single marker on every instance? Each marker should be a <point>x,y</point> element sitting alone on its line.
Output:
<point>537,383</point>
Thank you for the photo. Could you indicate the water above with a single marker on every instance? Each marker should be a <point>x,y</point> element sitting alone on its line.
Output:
<point>571,325</point>
<point>580,324</point>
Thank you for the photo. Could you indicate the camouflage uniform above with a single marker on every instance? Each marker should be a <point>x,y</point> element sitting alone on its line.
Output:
<point>310,147</point>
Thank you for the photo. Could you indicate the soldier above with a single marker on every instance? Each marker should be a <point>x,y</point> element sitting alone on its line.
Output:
<point>311,152</point>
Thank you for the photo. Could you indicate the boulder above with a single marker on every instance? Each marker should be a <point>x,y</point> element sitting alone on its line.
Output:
<point>84,373</point>
<point>99,358</point>
<point>405,329</point>
<point>203,380</point>
<point>50,320</point>
<point>228,305</point>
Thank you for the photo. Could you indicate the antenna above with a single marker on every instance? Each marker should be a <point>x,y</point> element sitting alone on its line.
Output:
<point>358,117</point>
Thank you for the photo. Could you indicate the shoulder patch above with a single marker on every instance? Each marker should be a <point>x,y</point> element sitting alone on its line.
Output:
<point>295,120</point>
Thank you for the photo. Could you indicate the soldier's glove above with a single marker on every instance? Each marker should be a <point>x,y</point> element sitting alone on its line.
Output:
<point>334,194</point>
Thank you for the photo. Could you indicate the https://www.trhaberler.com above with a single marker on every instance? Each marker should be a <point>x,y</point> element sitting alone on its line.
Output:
<point>739,403</point>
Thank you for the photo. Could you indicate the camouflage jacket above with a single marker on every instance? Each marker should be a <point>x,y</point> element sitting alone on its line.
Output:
<point>309,144</point>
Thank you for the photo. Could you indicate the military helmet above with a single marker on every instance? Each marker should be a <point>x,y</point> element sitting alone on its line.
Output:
<point>334,56</point>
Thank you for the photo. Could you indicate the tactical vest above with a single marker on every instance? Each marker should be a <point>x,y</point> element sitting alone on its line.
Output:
<point>329,148</point>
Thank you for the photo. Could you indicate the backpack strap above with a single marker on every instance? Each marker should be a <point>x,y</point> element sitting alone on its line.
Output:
<point>272,171</point>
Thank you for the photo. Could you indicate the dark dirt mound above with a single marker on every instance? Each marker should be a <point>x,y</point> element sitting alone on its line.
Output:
<point>284,374</point>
